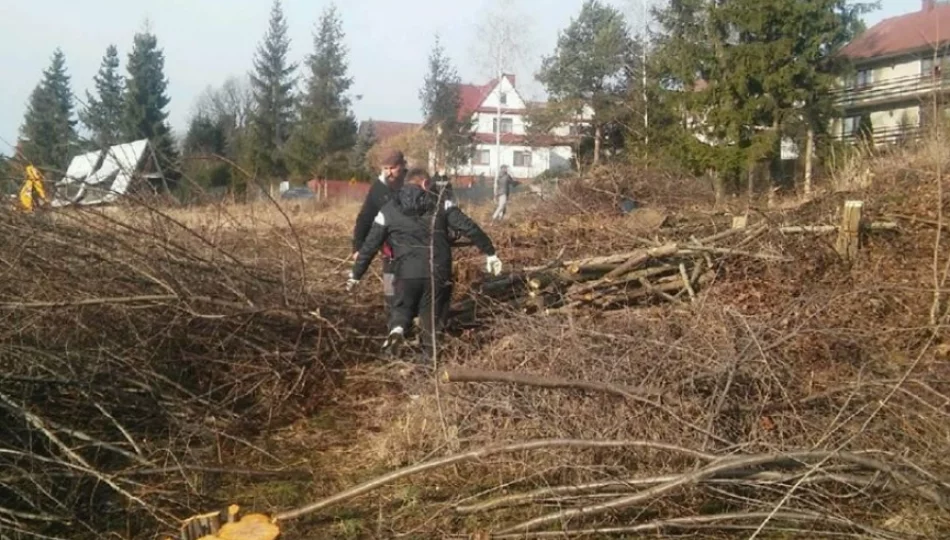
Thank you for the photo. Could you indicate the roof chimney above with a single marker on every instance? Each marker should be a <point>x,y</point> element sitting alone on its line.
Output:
<point>927,5</point>
<point>511,76</point>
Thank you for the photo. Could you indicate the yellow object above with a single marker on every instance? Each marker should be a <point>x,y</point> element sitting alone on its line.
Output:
<point>250,527</point>
<point>33,184</point>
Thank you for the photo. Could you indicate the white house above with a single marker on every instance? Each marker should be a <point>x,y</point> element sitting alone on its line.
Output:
<point>525,158</point>
<point>102,177</point>
<point>896,75</point>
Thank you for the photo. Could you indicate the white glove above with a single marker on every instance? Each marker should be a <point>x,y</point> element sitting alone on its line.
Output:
<point>351,284</point>
<point>493,265</point>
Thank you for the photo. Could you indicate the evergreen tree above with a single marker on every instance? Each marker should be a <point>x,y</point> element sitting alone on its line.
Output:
<point>49,129</point>
<point>765,68</point>
<point>592,65</point>
<point>103,112</point>
<point>366,139</point>
<point>272,83</point>
<point>441,103</point>
<point>145,114</point>
<point>327,130</point>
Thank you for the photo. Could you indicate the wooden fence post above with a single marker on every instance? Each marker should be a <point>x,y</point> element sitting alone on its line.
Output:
<point>849,234</point>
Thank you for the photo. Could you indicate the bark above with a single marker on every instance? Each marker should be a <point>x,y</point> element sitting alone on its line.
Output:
<point>809,156</point>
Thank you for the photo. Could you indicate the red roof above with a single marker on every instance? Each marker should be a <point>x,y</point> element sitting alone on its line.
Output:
<point>387,130</point>
<point>472,95</point>
<point>902,34</point>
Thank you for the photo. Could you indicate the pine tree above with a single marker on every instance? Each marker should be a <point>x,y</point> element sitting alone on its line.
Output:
<point>766,68</point>
<point>103,113</point>
<point>366,139</point>
<point>327,130</point>
<point>591,65</point>
<point>49,129</point>
<point>441,102</point>
<point>272,83</point>
<point>145,101</point>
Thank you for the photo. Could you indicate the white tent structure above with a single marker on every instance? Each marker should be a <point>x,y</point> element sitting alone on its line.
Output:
<point>93,178</point>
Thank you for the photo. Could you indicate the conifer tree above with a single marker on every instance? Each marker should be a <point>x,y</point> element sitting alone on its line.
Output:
<point>49,129</point>
<point>146,100</point>
<point>591,65</point>
<point>103,113</point>
<point>441,103</point>
<point>327,130</point>
<point>272,83</point>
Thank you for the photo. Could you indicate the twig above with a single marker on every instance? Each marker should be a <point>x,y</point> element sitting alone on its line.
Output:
<point>686,283</point>
<point>718,467</point>
<point>695,522</point>
<point>480,453</point>
<point>456,374</point>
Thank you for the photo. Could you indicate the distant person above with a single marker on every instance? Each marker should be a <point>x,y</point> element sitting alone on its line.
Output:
<point>390,179</point>
<point>502,191</point>
<point>417,226</point>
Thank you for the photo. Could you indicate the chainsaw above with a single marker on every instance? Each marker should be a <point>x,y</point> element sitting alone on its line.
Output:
<point>225,525</point>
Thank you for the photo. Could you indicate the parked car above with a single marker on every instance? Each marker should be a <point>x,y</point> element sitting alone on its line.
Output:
<point>298,193</point>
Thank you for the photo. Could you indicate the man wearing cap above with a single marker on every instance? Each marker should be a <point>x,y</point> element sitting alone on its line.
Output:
<point>380,192</point>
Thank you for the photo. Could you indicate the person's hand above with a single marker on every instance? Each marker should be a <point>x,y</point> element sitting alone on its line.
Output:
<point>493,265</point>
<point>351,284</point>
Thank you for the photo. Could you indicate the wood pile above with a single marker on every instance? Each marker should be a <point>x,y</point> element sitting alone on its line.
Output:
<point>672,270</point>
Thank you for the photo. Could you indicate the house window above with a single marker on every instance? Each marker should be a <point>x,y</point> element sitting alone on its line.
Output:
<point>481,157</point>
<point>507,125</point>
<point>849,126</point>
<point>522,159</point>
<point>929,69</point>
<point>574,130</point>
<point>503,98</point>
<point>865,77</point>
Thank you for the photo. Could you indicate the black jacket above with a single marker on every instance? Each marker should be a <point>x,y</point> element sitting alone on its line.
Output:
<point>379,194</point>
<point>416,224</point>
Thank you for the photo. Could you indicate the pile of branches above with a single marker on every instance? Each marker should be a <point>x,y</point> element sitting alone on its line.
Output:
<point>671,271</point>
<point>136,355</point>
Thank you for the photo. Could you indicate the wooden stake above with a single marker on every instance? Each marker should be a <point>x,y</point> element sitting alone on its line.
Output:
<point>849,233</point>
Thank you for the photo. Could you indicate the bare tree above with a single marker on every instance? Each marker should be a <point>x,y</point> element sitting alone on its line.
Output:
<point>233,99</point>
<point>501,44</point>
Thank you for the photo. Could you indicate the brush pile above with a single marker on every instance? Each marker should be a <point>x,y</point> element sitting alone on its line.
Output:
<point>672,271</point>
<point>137,356</point>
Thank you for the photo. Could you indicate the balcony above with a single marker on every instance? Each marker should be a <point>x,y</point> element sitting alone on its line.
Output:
<point>886,136</point>
<point>891,91</point>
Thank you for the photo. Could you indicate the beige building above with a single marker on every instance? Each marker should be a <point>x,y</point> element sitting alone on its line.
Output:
<point>896,78</point>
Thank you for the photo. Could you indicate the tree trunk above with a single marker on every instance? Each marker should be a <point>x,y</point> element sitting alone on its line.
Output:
<point>718,185</point>
<point>598,132</point>
<point>751,181</point>
<point>809,155</point>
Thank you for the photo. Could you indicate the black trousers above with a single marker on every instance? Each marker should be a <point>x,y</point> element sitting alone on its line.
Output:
<point>418,298</point>
<point>389,286</point>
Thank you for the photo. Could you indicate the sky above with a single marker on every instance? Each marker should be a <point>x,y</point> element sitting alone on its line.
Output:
<point>207,41</point>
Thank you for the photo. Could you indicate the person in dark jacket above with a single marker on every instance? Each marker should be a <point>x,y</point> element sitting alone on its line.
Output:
<point>417,223</point>
<point>380,192</point>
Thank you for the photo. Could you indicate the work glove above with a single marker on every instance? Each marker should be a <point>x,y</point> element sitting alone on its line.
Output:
<point>493,265</point>
<point>351,284</point>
